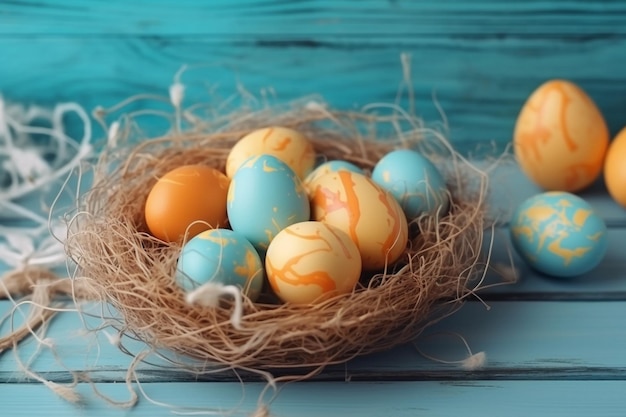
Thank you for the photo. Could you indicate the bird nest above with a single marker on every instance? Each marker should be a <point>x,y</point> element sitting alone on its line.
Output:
<point>123,265</point>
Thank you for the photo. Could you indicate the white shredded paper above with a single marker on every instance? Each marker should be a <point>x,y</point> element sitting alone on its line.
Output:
<point>36,156</point>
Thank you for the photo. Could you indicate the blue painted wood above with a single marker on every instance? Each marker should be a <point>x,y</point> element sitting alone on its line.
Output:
<point>480,60</point>
<point>368,19</point>
<point>363,399</point>
<point>522,340</point>
<point>554,347</point>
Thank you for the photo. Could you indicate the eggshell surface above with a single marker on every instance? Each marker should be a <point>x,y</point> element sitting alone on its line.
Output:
<point>187,199</point>
<point>560,137</point>
<point>264,197</point>
<point>559,234</point>
<point>414,181</point>
<point>221,256</point>
<point>368,214</point>
<point>615,168</point>
<point>331,166</point>
<point>310,261</point>
<point>288,145</point>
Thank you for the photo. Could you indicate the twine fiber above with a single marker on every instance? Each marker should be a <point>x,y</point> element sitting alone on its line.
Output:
<point>118,260</point>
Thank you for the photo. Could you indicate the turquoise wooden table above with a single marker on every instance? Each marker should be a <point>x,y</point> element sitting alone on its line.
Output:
<point>553,347</point>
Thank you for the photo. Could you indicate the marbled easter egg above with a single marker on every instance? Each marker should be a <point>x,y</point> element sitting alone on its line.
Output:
<point>370,215</point>
<point>560,137</point>
<point>264,197</point>
<point>288,145</point>
<point>310,261</point>
<point>559,234</point>
<point>220,256</point>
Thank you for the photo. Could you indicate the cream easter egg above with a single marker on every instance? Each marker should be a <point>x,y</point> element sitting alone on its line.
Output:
<point>370,215</point>
<point>615,168</point>
<point>310,261</point>
<point>560,137</point>
<point>288,145</point>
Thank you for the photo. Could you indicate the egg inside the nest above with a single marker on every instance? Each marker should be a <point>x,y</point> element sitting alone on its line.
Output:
<point>370,215</point>
<point>220,256</point>
<point>560,137</point>
<point>310,261</point>
<point>414,181</point>
<point>615,168</point>
<point>559,234</point>
<point>185,201</point>
<point>288,145</point>
<point>331,166</point>
<point>264,197</point>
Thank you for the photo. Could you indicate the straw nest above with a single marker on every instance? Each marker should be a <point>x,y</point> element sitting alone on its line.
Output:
<point>119,261</point>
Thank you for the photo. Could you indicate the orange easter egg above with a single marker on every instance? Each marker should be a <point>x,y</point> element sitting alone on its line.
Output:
<point>615,168</point>
<point>187,200</point>
<point>560,137</point>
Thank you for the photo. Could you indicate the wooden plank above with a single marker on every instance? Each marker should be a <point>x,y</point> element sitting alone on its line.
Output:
<point>479,84</point>
<point>522,340</point>
<point>578,19</point>
<point>362,399</point>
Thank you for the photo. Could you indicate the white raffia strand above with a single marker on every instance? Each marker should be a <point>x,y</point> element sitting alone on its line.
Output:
<point>36,156</point>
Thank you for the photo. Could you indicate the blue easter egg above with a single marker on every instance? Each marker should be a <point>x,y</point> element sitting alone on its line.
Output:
<point>414,181</point>
<point>264,197</point>
<point>559,234</point>
<point>331,166</point>
<point>221,256</point>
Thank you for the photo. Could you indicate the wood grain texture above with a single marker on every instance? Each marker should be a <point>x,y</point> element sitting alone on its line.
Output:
<point>363,399</point>
<point>554,347</point>
<point>480,60</point>
<point>523,341</point>
<point>369,19</point>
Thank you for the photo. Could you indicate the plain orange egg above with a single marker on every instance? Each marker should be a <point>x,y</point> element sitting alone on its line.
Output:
<point>615,168</point>
<point>187,200</point>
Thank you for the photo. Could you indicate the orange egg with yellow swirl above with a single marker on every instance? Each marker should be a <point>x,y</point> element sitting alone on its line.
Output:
<point>370,215</point>
<point>561,137</point>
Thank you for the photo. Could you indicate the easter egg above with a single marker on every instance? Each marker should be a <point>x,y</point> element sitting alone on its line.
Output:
<point>264,197</point>
<point>560,137</point>
<point>288,145</point>
<point>559,234</point>
<point>331,166</point>
<point>185,201</point>
<point>370,215</point>
<point>310,261</point>
<point>615,168</point>
<point>221,256</point>
<point>414,181</point>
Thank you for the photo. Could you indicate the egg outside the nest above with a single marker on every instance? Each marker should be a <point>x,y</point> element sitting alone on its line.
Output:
<point>309,262</point>
<point>220,256</point>
<point>615,168</point>
<point>560,138</point>
<point>559,234</point>
<point>264,197</point>
<point>414,181</point>
<point>370,215</point>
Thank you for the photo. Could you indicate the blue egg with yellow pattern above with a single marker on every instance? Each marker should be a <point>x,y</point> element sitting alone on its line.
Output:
<point>559,234</point>
<point>414,181</point>
<point>221,256</point>
<point>264,197</point>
